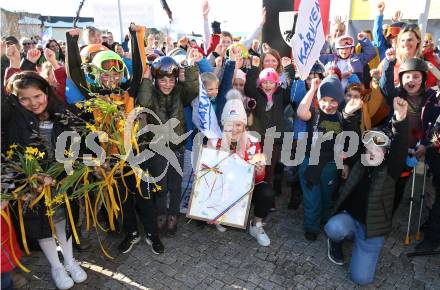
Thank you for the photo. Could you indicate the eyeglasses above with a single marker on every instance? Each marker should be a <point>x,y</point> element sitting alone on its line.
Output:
<point>28,43</point>
<point>378,138</point>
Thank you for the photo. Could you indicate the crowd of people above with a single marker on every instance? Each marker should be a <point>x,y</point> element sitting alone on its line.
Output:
<point>383,88</point>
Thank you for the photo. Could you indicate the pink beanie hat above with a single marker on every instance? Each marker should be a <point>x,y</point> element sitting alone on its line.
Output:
<point>268,74</point>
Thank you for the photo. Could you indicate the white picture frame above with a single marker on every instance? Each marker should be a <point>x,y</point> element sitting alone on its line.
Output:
<point>222,189</point>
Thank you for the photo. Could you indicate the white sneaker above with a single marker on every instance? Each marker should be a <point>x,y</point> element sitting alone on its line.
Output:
<point>220,228</point>
<point>76,272</point>
<point>258,232</point>
<point>61,278</point>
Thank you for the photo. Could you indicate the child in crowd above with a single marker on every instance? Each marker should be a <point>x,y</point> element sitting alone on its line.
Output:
<point>364,208</point>
<point>351,65</point>
<point>318,182</point>
<point>298,91</point>
<point>423,108</point>
<point>32,107</point>
<point>166,95</point>
<point>236,139</point>
<point>271,101</point>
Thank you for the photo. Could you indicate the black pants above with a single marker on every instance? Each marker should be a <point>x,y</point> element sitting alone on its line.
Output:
<point>262,199</point>
<point>171,183</point>
<point>135,203</point>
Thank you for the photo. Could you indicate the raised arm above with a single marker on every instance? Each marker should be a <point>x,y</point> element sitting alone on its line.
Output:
<point>387,79</point>
<point>378,38</point>
<point>191,83</point>
<point>303,111</point>
<point>399,144</point>
<point>139,59</point>
<point>73,62</point>
<point>225,86</point>
<point>368,50</point>
<point>205,11</point>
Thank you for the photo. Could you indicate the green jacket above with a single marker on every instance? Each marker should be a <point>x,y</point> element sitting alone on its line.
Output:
<point>167,107</point>
<point>383,179</point>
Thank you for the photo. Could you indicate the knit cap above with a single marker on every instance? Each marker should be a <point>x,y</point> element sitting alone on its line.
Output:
<point>331,87</point>
<point>268,74</point>
<point>234,109</point>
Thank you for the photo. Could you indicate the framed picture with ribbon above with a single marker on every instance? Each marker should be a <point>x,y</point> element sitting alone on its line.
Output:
<point>222,189</point>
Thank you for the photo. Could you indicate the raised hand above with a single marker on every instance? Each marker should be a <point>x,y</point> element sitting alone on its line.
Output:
<point>255,60</point>
<point>74,32</point>
<point>234,53</point>
<point>353,105</point>
<point>194,56</point>
<point>400,108</point>
<point>13,54</point>
<point>390,54</point>
<point>361,36</point>
<point>136,28</point>
<point>381,7</point>
<point>205,9</point>
<point>33,55</point>
<point>337,19</point>
<point>397,16</point>
<point>285,61</point>
<point>315,83</point>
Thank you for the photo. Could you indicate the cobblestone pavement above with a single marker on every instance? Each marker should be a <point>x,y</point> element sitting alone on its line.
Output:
<point>203,258</point>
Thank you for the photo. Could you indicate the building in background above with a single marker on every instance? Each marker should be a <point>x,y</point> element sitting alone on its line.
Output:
<point>24,24</point>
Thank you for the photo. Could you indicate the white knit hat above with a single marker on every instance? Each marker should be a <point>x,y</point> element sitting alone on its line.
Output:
<point>234,108</point>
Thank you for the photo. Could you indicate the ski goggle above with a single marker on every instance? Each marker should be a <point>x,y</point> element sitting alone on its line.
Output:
<point>112,64</point>
<point>378,138</point>
<point>345,42</point>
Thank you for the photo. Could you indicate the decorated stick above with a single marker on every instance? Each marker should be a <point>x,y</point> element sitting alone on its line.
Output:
<point>75,20</point>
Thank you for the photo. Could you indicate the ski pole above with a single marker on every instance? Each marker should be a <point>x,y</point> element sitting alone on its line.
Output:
<point>422,199</point>
<point>407,237</point>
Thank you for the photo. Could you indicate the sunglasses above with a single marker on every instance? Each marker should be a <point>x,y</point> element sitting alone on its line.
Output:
<point>28,43</point>
<point>112,64</point>
<point>378,138</point>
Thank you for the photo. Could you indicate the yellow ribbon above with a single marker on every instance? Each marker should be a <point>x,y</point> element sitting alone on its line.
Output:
<point>72,222</point>
<point>6,216</point>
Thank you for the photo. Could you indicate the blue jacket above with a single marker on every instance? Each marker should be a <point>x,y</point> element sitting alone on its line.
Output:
<point>379,39</point>
<point>357,60</point>
<point>297,93</point>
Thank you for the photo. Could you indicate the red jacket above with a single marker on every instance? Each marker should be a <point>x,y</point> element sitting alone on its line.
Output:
<point>253,147</point>
<point>430,56</point>
<point>213,42</point>
<point>8,262</point>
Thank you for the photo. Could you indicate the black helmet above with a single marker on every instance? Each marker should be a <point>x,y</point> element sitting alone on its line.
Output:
<point>413,64</point>
<point>165,66</point>
<point>318,68</point>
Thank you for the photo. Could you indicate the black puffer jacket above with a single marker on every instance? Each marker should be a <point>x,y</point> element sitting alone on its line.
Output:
<point>18,127</point>
<point>273,117</point>
<point>383,179</point>
<point>169,106</point>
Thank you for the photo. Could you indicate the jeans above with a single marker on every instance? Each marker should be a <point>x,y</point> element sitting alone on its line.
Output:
<point>171,183</point>
<point>365,251</point>
<point>318,199</point>
<point>7,281</point>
